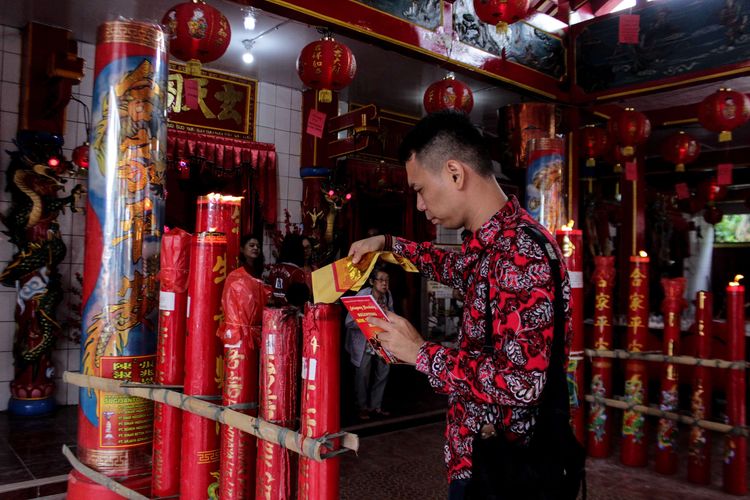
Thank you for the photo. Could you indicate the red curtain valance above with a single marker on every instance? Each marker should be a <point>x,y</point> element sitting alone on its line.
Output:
<point>231,153</point>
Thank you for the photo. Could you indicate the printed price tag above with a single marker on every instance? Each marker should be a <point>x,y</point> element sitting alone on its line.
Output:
<point>629,27</point>
<point>316,120</point>
<point>166,301</point>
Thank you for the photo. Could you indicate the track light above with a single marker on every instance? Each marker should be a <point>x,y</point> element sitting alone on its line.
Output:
<point>249,21</point>
<point>247,56</point>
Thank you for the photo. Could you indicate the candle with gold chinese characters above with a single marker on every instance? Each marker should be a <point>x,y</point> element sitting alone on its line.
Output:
<point>666,435</point>
<point>633,449</point>
<point>735,448</point>
<point>321,343</point>
<point>221,213</point>
<point>699,443</point>
<point>599,424</point>
<point>571,244</point>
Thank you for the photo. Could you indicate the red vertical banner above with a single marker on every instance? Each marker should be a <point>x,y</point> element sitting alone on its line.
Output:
<point>170,359</point>
<point>666,434</point>
<point>279,360</point>
<point>242,302</point>
<point>199,477</point>
<point>571,244</point>
<point>633,448</point>
<point>699,444</point>
<point>221,213</point>
<point>320,406</point>
<point>735,447</point>
<point>599,424</point>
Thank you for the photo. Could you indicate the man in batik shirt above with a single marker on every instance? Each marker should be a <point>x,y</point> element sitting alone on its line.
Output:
<point>449,168</point>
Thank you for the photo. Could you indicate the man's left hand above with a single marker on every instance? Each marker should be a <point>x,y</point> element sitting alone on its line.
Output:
<point>399,337</point>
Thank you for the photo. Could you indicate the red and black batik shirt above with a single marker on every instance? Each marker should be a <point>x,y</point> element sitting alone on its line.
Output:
<point>503,387</point>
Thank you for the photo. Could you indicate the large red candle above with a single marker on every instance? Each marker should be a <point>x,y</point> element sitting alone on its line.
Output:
<point>735,450</point>
<point>321,343</point>
<point>699,444</point>
<point>666,435</point>
<point>633,448</point>
<point>571,244</point>
<point>170,359</point>
<point>600,427</point>
<point>203,364</point>
<point>221,213</point>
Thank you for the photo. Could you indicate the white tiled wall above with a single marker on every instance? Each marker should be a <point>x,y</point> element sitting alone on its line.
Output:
<point>279,122</point>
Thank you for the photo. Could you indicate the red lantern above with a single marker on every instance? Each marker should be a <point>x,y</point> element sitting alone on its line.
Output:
<point>723,111</point>
<point>629,129</point>
<point>326,65</point>
<point>713,214</point>
<point>80,156</point>
<point>681,148</point>
<point>618,159</point>
<point>501,13</point>
<point>448,93</point>
<point>594,143</point>
<point>198,33</point>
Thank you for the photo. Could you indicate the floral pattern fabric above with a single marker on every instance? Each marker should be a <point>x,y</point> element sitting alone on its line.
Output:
<point>504,387</point>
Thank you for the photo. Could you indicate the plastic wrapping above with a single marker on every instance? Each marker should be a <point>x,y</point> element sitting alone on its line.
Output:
<point>571,244</point>
<point>633,450</point>
<point>170,359</point>
<point>123,235</point>
<point>666,434</point>
<point>600,425</point>
<point>199,476</point>
<point>221,213</point>
<point>279,361</point>
<point>545,192</point>
<point>699,443</point>
<point>242,301</point>
<point>320,405</point>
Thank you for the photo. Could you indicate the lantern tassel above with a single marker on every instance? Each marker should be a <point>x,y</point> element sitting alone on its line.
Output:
<point>193,67</point>
<point>501,28</point>
<point>628,151</point>
<point>591,162</point>
<point>325,95</point>
<point>725,136</point>
<point>617,168</point>
<point>680,167</point>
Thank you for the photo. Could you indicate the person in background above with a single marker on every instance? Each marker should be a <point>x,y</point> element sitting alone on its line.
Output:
<point>369,390</point>
<point>251,256</point>
<point>286,277</point>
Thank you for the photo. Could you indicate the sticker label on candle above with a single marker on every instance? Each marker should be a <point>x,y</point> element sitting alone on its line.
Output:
<point>576,279</point>
<point>166,301</point>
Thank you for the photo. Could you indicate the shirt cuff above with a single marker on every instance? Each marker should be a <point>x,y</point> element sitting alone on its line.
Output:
<point>424,356</point>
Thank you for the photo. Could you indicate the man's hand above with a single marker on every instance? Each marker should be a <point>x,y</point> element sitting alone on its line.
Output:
<point>361,247</point>
<point>399,337</point>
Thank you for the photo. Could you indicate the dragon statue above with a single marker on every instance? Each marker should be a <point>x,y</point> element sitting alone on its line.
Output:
<point>31,225</point>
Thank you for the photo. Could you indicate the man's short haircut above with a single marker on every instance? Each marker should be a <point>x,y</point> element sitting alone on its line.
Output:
<point>447,135</point>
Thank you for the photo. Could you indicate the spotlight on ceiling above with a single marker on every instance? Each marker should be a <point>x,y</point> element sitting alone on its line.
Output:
<point>247,56</point>
<point>249,20</point>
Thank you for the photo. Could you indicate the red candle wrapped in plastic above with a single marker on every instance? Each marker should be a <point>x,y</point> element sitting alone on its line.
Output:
<point>699,444</point>
<point>633,449</point>
<point>170,359</point>
<point>600,427</point>
<point>571,243</point>
<point>279,356</point>
<point>321,343</point>
<point>243,300</point>
<point>666,435</point>
<point>203,364</point>
<point>735,448</point>
<point>221,213</point>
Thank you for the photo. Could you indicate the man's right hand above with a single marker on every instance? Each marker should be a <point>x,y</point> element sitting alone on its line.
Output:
<point>361,247</point>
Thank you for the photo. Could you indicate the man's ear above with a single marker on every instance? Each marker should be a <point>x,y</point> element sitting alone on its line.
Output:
<point>457,172</point>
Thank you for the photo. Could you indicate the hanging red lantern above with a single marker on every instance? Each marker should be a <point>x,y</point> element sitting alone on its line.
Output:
<point>326,65</point>
<point>724,111</point>
<point>501,13</point>
<point>629,129</point>
<point>80,156</point>
<point>616,157</point>
<point>594,143</point>
<point>713,214</point>
<point>198,33</point>
<point>681,148</point>
<point>448,93</point>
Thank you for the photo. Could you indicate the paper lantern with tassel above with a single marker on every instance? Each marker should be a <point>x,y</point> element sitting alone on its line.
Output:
<point>594,143</point>
<point>629,129</point>
<point>448,93</point>
<point>681,148</point>
<point>723,111</point>
<point>501,13</point>
<point>326,65</point>
<point>198,33</point>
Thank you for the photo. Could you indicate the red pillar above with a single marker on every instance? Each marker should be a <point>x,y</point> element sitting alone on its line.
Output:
<point>320,408</point>
<point>735,447</point>
<point>666,434</point>
<point>633,449</point>
<point>699,446</point>
<point>199,477</point>
<point>600,426</point>
<point>170,359</point>
<point>571,243</point>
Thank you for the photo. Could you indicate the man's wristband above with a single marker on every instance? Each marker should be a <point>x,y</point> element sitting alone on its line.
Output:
<point>388,245</point>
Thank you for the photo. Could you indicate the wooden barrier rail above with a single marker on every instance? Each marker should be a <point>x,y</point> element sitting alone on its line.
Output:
<point>663,358</point>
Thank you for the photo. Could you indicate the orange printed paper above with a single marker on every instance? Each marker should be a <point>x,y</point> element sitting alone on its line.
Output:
<point>362,307</point>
